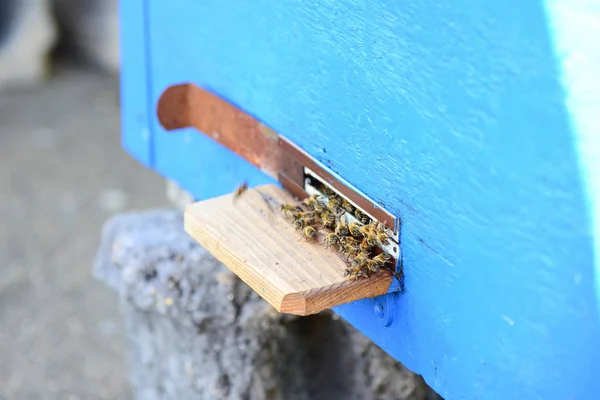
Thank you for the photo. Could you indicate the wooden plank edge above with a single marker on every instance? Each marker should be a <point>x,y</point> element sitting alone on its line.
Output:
<point>302,303</point>
<point>213,246</point>
<point>319,299</point>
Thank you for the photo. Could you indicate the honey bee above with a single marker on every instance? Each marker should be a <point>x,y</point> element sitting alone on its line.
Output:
<point>347,206</point>
<point>366,229</point>
<point>373,266</point>
<point>354,229</point>
<point>314,204</point>
<point>382,237</point>
<point>241,189</point>
<point>381,259</point>
<point>304,222</point>
<point>362,258</point>
<point>331,240</point>
<point>349,250</point>
<point>360,273</point>
<point>349,240</point>
<point>362,217</point>
<point>370,238</point>
<point>327,191</point>
<point>342,228</point>
<point>336,210</point>
<point>335,201</point>
<point>302,214</point>
<point>327,219</point>
<point>309,233</point>
<point>355,273</point>
<point>291,208</point>
<point>365,247</point>
<point>343,249</point>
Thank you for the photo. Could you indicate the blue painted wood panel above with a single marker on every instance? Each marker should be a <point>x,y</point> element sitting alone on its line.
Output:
<point>453,117</point>
<point>135,83</point>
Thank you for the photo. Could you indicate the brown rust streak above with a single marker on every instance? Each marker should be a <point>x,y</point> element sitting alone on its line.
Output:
<point>187,105</point>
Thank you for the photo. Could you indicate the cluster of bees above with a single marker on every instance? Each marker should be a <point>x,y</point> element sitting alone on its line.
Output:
<point>355,240</point>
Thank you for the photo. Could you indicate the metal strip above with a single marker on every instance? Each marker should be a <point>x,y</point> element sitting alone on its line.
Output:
<point>187,105</point>
<point>353,196</point>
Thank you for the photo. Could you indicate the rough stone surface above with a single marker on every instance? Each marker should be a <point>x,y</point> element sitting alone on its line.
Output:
<point>27,33</point>
<point>196,331</point>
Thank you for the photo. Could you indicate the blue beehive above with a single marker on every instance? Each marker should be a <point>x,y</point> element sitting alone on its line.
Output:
<point>473,122</point>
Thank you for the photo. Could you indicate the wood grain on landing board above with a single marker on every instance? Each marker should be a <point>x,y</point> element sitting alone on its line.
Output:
<point>252,237</point>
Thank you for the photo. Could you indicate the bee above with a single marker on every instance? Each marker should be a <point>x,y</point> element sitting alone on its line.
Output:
<point>347,206</point>
<point>365,246</point>
<point>304,222</point>
<point>349,240</point>
<point>314,204</point>
<point>241,189</point>
<point>343,249</point>
<point>335,201</point>
<point>327,191</point>
<point>355,273</point>
<point>362,258</point>
<point>382,237</point>
<point>331,240</point>
<point>327,219</point>
<point>362,217</point>
<point>379,227</point>
<point>302,214</point>
<point>373,266</point>
<point>370,238</point>
<point>291,208</point>
<point>309,233</point>
<point>342,228</point>
<point>381,259</point>
<point>349,250</point>
<point>360,273</point>
<point>336,210</point>
<point>366,229</point>
<point>354,229</point>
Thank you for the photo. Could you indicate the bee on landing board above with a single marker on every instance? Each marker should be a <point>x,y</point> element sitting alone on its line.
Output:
<point>309,233</point>
<point>241,189</point>
<point>314,204</point>
<point>297,215</point>
<point>327,219</point>
<point>342,228</point>
<point>331,240</point>
<point>373,266</point>
<point>291,208</point>
<point>304,222</point>
<point>381,258</point>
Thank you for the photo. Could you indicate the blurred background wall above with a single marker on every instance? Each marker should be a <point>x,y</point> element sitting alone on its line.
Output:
<point>62,174</point>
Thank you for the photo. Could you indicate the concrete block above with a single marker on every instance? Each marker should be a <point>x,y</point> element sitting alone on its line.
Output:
<point>196,331</point>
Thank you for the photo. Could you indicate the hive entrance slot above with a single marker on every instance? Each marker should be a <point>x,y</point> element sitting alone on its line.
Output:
<point>313,184</point>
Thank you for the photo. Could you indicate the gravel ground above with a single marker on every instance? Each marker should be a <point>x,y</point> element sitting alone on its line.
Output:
<point>62,174</point>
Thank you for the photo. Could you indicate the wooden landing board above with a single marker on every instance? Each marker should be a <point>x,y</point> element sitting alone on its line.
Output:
<point>255,241</point>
